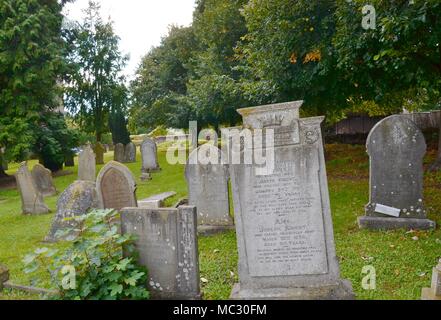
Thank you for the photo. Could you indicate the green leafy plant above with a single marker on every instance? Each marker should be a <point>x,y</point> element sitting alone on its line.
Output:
<point>93,265</point>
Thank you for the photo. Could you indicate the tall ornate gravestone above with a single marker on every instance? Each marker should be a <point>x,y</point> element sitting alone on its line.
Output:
<point>149,156</point>
<point>207,184</point>
<point>75,201</point>
<point>99,150</point>
<point>116,187</point>
<point>31,199</point>
<point>283,218</point>
<point>86,164</point>
<point>167,246</point>
<point>118,154</point>
<point>43,180</point>
<point>130,153</point>
<point>396,148</point>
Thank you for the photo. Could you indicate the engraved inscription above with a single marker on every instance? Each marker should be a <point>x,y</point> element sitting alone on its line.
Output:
<point>115,189</point>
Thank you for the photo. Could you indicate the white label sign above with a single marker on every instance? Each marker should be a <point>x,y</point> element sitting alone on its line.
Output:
<point>390,211</point>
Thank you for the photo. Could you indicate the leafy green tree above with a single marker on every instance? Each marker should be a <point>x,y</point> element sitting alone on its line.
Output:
<point>398,63</point>
<point>161,82</point>
<point>31,62</point>
<point>97,64</point>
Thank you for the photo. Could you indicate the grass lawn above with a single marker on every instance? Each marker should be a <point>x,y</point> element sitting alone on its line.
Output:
<point>403,260</point>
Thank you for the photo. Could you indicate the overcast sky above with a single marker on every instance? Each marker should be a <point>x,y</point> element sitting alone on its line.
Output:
<point>139,23</point>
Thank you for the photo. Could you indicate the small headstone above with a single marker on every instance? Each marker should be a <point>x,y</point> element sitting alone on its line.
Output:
<point>86,164</point>
<point>99,150</point>
<point>156,201</point>
<point>434,292</point>
<point>149,156</point>
<point>168,247</point>
<point>283,217</point>
<point>31,198</point>
<point>116,187</point>
<point>69,160</point>
<point>130,153</point>
<point>75,201</point>
<point>118,154</point>
<point>4,276</point>
<point>208,187</point>
<point>43,180</point>
<point>396,149</point>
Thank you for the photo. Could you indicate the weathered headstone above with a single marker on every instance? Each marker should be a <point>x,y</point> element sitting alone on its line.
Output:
<point>116,187</point>
<point>168,247</point>
<point>69,160</point>
<point>283,217</point>
<point>118,154</point>
<point>86,164</point>
<point>149,156</point>
<point>99,150</point>
<point>31,198</point>
<point>76,200</point>
<point>156,201</point>
<point>43,180</point>
<point>130,153</point>
<point>396,148</point>
<point>434,292</point>
<point>207,185</point>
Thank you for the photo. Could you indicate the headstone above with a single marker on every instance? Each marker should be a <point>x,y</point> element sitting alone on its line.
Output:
<point>396,148</point>
<point>99,150</point>
<point>207,185</point>
<point>156,201</point>
<point>43,180</point>
<point>4,276</point>
<point>75,201</point>
<point>193,134</point>
<point>69,160</point>
<point>167,246</point>
<point>31,199</point>
<point>119,152</point>
<point>283,218</point>
<point>116,187</point>
<point>149,156</point>
<point>86,164</point>
<point>130,153</point>
<point>434,292</point>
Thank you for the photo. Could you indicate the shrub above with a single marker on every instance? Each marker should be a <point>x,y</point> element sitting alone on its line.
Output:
<point>93,266</point>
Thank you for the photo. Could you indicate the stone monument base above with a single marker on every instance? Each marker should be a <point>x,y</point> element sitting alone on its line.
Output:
<point>428,294</point>
<point>341,291</point>
<point>208,230</point>
<point>383,223</point>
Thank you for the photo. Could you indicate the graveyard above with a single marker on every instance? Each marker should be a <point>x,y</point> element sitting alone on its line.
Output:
<point>403,259</point>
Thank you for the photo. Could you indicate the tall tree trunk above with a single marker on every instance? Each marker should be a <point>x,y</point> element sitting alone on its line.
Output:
<point>2,173</point>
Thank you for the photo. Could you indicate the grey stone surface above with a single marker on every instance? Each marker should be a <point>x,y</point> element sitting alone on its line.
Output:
<point>130,153</point>
<point>396,149</point>
<point>149,156</point>
<point>4,276</point>
<point>99,150</point>
<point>434,292</point>
<point>43,180</point>
<point>156,201</point>
<point>76,200</point>
<point>116,187</point>
<point>168,247</point>
<point>31,199</point>
<point>119,153</point>
<point>207,185</point>
<point>283,219</point>
<point>86,164</point>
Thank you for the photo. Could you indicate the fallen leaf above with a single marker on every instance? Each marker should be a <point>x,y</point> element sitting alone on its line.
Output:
<point>203,280</point>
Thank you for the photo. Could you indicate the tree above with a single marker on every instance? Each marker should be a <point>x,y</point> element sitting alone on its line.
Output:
<point>398,63</point>
<point>97,63</point>
<point>31,61</point>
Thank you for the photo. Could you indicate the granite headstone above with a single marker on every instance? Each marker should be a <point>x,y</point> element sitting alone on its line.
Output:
<point>119,152</point>
<point>86,164</point>
<point>43,180</point>
<point>149,156</point>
